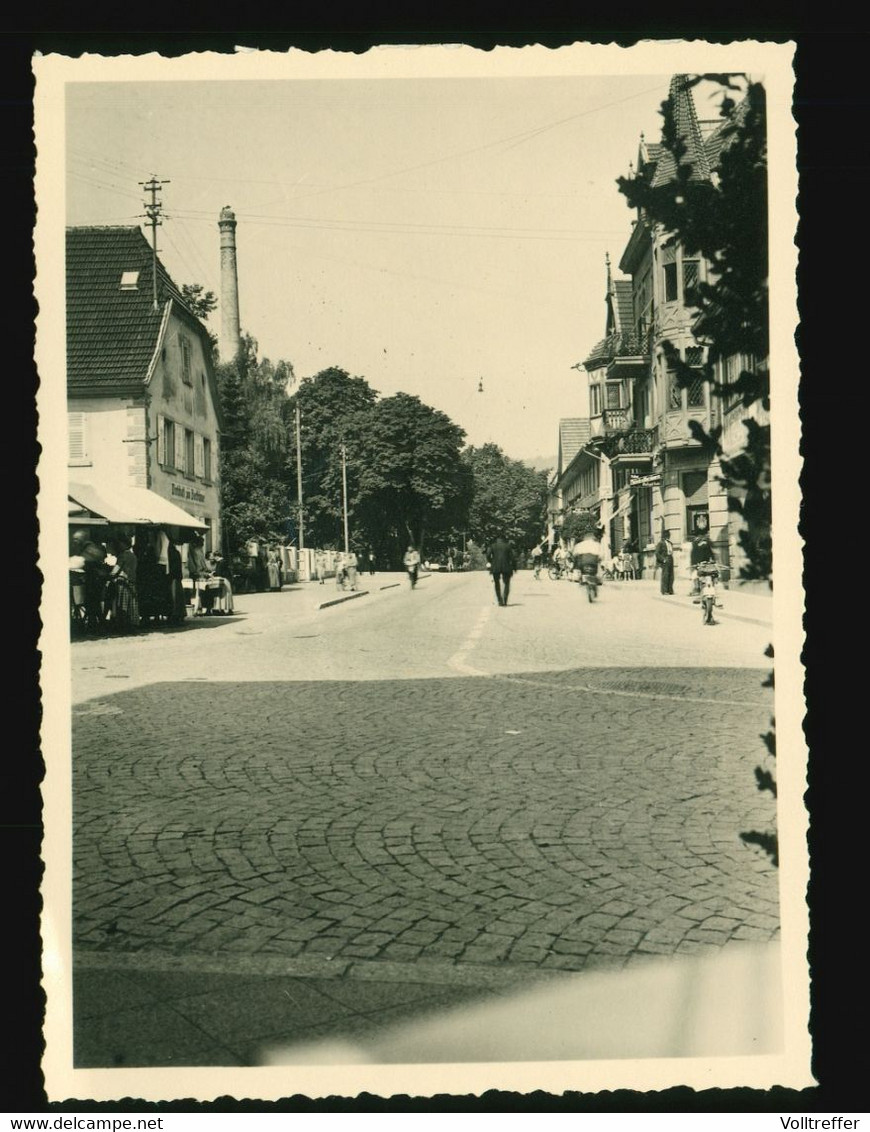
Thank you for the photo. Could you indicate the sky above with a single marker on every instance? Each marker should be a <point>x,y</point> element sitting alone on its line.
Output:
<point>430,234</point>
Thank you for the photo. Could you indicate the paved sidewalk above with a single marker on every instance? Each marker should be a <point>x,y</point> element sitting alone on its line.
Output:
<point>750,603</point>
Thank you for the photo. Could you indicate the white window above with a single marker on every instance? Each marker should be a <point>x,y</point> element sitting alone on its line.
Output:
<point>129,280</point>
<point>78,439</point>
<point>198,464</point>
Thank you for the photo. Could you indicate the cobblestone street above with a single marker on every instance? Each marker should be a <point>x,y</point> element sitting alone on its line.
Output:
<point>459,808</point>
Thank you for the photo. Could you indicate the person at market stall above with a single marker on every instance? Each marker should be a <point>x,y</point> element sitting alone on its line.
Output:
<point>178,608</point>
<point>151,577</point>
<point>124,607</point>
<point>197,568</point>
<point>94,570</point>
<point>219,577</point>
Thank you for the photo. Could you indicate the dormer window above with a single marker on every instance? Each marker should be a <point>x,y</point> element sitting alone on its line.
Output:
<point>129,280</point>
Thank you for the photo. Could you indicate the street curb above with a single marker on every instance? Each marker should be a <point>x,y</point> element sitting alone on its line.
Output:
<point>686,603</point>
<point>391,586</point>
<point>345,597</point>
<point>448,972</point>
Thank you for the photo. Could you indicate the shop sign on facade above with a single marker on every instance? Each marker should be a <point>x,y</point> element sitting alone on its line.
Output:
<point>179,491</point>
<point>645,481</point>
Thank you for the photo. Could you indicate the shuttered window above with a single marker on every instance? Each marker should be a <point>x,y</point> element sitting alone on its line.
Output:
<point>161,439</point>
<point>206,459</point>
<point>184,348</point>
<point>78,438</point>
<point>198,464</point>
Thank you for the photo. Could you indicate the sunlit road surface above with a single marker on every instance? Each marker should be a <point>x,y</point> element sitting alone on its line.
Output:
<point>422,784</point>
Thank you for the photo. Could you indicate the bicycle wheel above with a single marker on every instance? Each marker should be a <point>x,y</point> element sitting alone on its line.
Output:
<point>553,573</point>
<point>707,610</point>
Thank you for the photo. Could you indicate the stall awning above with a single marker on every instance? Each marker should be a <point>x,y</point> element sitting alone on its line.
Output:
<point>131,505</point>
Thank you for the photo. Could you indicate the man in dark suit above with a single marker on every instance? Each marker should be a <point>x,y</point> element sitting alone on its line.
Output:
<point>502,563</point>
<point>665,562</point>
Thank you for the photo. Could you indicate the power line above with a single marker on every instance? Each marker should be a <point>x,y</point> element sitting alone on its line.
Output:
<point>421,228</point>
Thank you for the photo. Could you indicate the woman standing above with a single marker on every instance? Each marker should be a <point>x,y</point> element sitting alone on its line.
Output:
<point>125,574</point>
<point>273,568</point>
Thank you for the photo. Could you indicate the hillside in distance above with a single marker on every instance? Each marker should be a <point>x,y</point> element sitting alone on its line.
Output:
<point>541,463</point>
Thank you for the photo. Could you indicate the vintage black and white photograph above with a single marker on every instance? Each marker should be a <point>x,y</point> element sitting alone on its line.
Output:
<point>420,429</point>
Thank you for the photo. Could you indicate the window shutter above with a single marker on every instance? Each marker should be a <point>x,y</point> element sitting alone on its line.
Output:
<point>77,441</point>
<point>198,463</point>
<point>161,439</point>
<point>179,449</point>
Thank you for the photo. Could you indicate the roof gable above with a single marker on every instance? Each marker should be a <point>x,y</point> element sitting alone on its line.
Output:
<point>623,306</point>
<point>574,434</point>
<point>113,327</point>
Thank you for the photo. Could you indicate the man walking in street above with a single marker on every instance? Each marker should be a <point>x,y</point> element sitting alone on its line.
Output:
<point>502,563</point>
<point>665,563</point>
<point>412,564</point>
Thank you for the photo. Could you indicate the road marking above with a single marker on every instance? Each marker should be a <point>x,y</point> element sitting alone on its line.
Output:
<point>457,661</point>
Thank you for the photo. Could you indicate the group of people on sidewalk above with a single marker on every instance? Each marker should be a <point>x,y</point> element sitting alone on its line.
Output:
<point>128,581</point>
<point>701,552</point>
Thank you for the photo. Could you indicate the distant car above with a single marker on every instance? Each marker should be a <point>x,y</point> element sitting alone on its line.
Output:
<point>432,566</point>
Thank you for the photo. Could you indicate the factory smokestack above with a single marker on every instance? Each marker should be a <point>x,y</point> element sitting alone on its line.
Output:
<point>230,337</point>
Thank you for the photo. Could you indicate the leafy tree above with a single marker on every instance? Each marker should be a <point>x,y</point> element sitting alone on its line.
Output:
<point>410,481</point>
<point>255,497</point>
<point>507,497</point>
<point>199,301</point>
<point>333,406</point>
<point>724,218</point>
<point>579,524</point>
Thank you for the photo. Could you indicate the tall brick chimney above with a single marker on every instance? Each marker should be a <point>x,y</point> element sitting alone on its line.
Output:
<point>230,336</point>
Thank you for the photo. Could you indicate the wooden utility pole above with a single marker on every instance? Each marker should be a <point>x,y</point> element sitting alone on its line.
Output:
<point>152,214</point>
<point>299,490</point>
<point>344,494</point>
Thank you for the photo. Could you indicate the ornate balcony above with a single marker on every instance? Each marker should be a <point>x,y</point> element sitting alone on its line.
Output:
<point>626,348</point>
<point>632,442</point>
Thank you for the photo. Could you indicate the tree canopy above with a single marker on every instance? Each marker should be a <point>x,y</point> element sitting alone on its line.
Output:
<point>507,497</point>
<point>255,497</point>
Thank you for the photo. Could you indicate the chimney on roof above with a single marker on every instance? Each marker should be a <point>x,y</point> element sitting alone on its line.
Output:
<point>230,336</point>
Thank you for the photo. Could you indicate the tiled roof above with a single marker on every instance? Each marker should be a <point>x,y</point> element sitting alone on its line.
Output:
<point>688,128</point>
<point>719,138</point>
<point>623,307</point>
<point>574,433</point>
<point>112,332</point>
<point>600,353</point>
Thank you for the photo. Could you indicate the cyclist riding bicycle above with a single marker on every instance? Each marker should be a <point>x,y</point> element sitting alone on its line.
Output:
<point>587,555</point>
<point>700,555</point>
<point>537,560</point>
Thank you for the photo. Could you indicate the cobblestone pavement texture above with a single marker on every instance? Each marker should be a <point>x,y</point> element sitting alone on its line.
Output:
<point>421,788</point>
